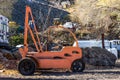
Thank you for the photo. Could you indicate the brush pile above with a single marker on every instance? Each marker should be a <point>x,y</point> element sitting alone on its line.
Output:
<point>98,57</point>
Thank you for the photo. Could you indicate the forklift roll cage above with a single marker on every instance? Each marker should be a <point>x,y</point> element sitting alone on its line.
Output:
<point>27,27</point>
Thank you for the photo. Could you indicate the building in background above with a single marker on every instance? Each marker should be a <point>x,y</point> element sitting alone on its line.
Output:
<point>4,29</point>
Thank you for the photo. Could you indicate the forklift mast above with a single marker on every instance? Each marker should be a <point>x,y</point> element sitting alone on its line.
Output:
<point>28,15</point>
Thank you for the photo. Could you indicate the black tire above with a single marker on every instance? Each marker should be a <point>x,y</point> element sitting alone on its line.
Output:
<point>26,66</point>
<point>78,66</point>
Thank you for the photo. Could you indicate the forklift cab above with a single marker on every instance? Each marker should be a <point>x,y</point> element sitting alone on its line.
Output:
<point>57,38</point>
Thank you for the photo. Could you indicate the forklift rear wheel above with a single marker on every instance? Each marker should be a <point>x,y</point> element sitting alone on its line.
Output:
<point>26,66</point>
<point>78,66</point>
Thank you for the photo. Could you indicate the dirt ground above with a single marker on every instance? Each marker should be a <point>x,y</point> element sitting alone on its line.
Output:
<point>106,74</point>
<point>88,74</point>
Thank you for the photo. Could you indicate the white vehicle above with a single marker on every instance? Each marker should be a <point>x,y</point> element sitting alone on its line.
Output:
<point>4,29</point>
<point>97,43</point>
<point>115,44</point>
<point>20,45</point>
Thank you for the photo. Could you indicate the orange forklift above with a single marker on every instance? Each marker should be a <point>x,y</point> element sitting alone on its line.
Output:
<point>69,57</point>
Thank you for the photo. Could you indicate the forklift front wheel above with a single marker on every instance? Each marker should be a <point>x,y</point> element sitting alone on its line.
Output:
<point>26,66</point>
<point>78,66</point>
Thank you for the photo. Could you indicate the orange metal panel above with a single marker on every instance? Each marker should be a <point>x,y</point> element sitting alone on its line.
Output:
<point>51,59</point>
<point>54,63</point>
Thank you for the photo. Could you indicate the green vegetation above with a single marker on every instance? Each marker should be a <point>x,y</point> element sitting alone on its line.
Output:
<point>16,39</point>
<point>16,34</point>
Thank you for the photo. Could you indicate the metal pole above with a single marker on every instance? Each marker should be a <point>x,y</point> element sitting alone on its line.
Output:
<point>103,44</point>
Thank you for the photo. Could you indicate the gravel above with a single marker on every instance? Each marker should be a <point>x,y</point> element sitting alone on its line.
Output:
<point>93,74</point>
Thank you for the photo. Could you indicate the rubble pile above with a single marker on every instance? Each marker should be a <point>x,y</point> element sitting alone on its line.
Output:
<point>2,61</point>
<point>6,54</point>
<point>8,60</point>
<point>11,64</point>
<point>98,57</point>
<point>2,58</point>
